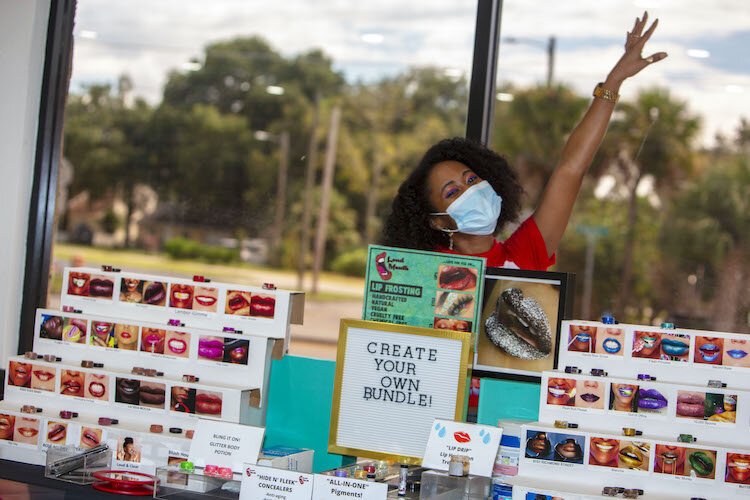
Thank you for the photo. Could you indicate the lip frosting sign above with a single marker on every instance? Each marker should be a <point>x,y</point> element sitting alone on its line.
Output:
<point>426,289</point>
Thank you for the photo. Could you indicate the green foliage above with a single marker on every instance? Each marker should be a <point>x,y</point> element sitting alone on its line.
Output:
<point>351,263</point>
<point>110,222</point>
<point>198,150</point>
<point>531,131</point>
<point>184,248</point>
<point>710,218</point>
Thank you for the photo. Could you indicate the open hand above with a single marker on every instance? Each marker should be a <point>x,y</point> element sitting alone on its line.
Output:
<point>632,60</point>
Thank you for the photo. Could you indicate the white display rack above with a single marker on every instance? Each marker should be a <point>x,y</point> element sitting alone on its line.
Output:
<point>151,367</point>
<point>673,355</point>
<point>658,409</point>
<point>205,354</point>
<point>259,311</point>
<point>663,410</point>
<point>659,467</point>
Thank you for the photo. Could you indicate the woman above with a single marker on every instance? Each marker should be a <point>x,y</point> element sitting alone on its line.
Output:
<point>128,453</point>
<point>461,194</point>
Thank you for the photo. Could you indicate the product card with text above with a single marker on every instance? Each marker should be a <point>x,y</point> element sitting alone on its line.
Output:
<point>327,487</point>
<point>478,442</point>
<point>225,444</point>
<point>266,483</point>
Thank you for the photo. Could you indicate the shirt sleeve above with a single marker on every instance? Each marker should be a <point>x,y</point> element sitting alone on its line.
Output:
<point>526,247</point>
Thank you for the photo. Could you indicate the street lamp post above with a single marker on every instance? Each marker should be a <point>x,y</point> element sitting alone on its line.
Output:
<point>550,46</point>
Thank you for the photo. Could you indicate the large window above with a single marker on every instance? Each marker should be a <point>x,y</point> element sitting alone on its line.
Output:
<point>661,231</point>
<point>199,137</point>
<point>198,134</point>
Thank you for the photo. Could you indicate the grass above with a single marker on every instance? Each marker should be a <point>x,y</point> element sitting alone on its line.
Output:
<point>332,287</point>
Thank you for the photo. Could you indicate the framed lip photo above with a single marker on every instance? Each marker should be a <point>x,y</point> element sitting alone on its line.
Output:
<point>519,328</point>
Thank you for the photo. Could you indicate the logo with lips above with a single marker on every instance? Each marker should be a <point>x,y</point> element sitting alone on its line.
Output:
<point>302,480</point>
<point>462,437</point>
<point>380,265</point>
<point>249,471</point>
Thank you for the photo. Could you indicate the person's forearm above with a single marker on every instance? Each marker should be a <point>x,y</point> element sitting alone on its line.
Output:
<point>585,139</point>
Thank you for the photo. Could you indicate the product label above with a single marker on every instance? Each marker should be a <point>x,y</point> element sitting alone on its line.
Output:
<point>327,487</point>
<point>428,289</point>
<point>266,483</point>
<point>478,442</point>
<point>225,444</point>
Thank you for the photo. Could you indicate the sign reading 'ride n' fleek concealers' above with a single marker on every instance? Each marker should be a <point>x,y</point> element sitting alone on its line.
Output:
<point>426,289</point>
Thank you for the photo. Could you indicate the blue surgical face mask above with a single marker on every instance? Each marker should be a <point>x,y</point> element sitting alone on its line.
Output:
<point>475,211</point>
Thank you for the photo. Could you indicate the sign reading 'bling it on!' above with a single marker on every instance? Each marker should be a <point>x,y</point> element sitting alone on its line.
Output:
<point>427,289</point>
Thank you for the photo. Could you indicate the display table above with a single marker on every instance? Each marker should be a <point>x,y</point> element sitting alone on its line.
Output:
<point>24,481</point>
<point>15,475</point>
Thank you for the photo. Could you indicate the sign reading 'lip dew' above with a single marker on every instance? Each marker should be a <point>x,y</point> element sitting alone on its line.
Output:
<point>391,383</point>
<point>427,289</point>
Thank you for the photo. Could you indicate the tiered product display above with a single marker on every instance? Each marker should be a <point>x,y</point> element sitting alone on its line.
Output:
<point>136,368</point>
<point>640,412</point>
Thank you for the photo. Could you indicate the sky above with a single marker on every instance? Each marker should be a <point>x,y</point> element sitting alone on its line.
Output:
<point>369,40</point>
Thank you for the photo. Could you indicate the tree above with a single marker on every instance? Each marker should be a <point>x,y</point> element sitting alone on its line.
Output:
<point>652,139</point>
<point>531,131</point>
<point>709,228</point>
<point>105,140</point>
<point>387,126</point>
<point>208,166</point>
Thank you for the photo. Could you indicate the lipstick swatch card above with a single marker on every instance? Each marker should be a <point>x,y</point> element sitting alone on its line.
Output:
<point>669,354</point>
<point>202,304</point>
<point>716,415</point>
<point>427,289</point>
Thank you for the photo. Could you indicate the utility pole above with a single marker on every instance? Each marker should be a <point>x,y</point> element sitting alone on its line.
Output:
<point>325,197</point>
<point>372,194</point>
<point>312,159</point>
<point>281,192</point>
<point>551,44</point>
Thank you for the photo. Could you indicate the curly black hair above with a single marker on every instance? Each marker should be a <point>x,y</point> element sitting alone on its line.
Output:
<point>408,225</point>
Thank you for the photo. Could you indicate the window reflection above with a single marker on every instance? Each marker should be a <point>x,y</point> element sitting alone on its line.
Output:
<point>196,136</point>
<point>660,217</point>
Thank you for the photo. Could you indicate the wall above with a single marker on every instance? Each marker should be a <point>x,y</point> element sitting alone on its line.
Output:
<point>23,30</point>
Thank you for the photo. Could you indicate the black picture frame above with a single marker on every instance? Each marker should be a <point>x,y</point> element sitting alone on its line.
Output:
<point>552,292</point>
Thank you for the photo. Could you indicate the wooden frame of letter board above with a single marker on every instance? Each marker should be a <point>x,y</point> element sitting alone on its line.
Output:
<point>462,391</point>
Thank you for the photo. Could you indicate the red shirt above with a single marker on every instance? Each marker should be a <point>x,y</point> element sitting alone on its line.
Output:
<point>525,249</point>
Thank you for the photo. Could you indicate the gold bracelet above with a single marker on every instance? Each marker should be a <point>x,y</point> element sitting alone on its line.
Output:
<point>606,94</point>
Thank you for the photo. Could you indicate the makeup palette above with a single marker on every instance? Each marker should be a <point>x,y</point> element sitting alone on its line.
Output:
<point>669,354</point>
<point>109,367</point>
<point>125,344</point>
<point>199,303</point>
<point>663,410</point>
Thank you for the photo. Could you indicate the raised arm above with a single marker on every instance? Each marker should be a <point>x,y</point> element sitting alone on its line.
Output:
<point>560,194</point>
